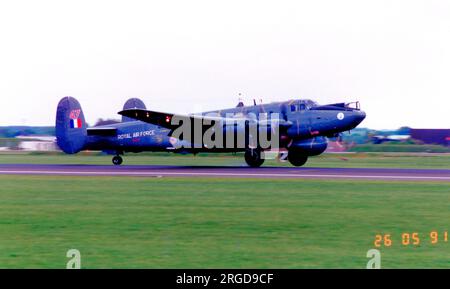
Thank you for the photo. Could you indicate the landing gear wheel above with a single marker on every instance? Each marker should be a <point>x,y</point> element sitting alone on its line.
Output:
<point>253,158</point>
<point>297,159</point>
<point>117,160</point>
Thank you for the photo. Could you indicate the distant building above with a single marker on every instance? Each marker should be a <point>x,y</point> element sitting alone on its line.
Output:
<point>37,143</point>
<point>432,136</point>
<point>378,139</point>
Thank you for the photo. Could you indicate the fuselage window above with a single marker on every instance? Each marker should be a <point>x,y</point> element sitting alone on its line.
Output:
<point>293,108</point>
<point>302,106</point>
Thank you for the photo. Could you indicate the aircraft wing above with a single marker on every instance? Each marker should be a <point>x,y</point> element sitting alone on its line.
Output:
<point>165,119</point>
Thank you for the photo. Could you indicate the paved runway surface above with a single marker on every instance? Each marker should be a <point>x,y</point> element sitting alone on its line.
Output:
<point>227,172</point>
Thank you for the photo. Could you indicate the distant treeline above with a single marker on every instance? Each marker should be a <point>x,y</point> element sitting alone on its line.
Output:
<point>364,135</point>
<point>13,131</point>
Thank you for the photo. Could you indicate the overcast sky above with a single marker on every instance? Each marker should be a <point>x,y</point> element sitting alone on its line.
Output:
<point>188,56</point>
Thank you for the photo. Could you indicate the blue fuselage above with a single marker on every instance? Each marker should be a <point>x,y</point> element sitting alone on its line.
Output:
<point>306,121</point>
<point>133,136</point>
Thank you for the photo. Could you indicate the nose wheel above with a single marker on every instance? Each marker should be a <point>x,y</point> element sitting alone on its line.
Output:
<point>253,158</point>
<point>117,160</point>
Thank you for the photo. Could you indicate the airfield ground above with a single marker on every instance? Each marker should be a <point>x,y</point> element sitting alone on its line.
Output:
<point>138,222</point>
<point>346,160</point>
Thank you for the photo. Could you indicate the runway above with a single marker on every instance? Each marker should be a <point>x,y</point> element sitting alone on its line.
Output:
<point>229,172</point>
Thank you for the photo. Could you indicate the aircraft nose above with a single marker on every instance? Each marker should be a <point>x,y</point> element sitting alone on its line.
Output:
<point>359,116</point>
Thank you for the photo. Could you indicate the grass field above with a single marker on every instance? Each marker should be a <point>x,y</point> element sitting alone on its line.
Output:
<point>119,222</point>
<point>356,160</point>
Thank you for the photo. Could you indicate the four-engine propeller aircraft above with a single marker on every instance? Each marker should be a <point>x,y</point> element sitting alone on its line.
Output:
<point>300,127</point>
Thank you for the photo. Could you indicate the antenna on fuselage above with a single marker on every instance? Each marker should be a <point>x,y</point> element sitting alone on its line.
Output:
<point>240,103</point>
<point>261,106</point>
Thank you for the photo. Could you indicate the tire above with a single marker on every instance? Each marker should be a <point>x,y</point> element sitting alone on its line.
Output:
<point>297,159</point>
<point>117,160</point>
<point>253,158</point>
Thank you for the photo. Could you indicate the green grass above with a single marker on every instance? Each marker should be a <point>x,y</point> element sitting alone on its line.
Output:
<point>119,222</point>
<point>356,160</point>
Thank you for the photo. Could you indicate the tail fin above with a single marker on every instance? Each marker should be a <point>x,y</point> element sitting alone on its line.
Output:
<point>132,103</point>
<point>71,131</point>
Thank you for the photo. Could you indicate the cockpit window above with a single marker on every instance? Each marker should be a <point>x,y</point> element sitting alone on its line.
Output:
<point>302,104</point>
<point>309,103</point>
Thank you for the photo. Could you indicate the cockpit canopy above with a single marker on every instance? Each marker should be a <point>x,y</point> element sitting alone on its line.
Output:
<point>307,104</point>
<point>301,104</point>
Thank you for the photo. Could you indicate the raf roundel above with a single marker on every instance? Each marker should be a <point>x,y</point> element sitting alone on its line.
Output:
<point>340,116</point>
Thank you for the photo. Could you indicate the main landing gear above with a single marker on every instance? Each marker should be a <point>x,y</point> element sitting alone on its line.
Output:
<point>117,160</point>
<point>253,158</point>
<point>296,159</point>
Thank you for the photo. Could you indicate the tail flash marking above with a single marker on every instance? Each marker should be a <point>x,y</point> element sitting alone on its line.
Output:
<point>76,123</point>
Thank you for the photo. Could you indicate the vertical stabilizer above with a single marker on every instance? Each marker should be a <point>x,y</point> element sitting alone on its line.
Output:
<point>132,103</point>
<point>71,131</point>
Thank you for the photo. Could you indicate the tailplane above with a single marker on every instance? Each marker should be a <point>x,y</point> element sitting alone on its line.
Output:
<point>71,131</point>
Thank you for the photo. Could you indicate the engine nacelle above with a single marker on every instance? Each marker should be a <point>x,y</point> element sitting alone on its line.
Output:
<point>309,147</point>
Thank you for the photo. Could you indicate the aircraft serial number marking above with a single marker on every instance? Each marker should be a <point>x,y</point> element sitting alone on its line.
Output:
<point>136,134</point>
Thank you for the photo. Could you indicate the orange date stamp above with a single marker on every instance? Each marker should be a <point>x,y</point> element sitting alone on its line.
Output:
<point>411,239</point>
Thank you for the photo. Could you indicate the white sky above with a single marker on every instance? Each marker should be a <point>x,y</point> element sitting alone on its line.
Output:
<point>187,56</point>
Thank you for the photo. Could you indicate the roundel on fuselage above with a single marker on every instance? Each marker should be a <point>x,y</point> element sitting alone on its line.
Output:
<point>340,116</point>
